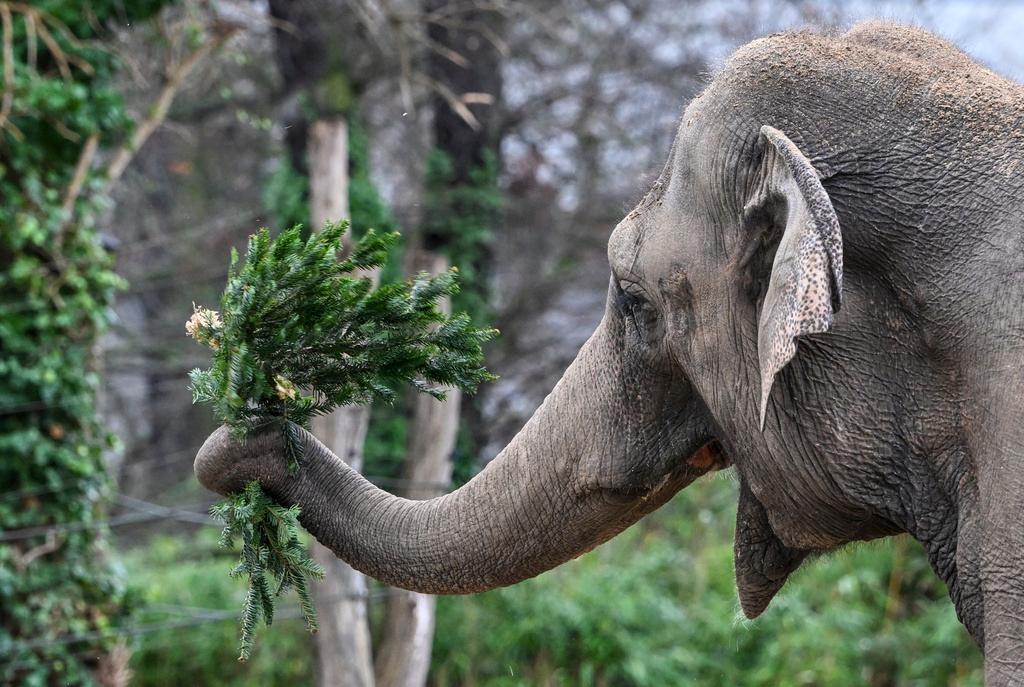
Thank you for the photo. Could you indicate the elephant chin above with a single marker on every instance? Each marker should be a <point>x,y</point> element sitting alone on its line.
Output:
<point>763,562</point>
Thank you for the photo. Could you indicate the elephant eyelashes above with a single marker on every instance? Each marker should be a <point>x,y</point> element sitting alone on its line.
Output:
<point>638,310</point>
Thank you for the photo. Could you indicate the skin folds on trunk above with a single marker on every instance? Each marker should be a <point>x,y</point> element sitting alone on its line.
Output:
<point>525,513</point>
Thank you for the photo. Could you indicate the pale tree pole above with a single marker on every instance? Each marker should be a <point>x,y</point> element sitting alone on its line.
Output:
<point>385,43</point>
<point>343,649</point>
<point>403,655</point>
<point>463,71</point>
<point>308,35</point>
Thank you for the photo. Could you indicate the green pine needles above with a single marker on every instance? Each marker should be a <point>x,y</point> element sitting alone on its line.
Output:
<point>300,332</point>
<point>271,548</point>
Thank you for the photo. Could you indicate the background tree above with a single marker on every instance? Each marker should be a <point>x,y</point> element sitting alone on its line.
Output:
<point>461,210</point>
<point>319,139</point>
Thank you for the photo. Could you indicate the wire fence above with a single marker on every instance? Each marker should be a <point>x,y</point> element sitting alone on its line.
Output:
<point>139,515</point>
<point>147,511</point>
<point>216,227</point>
<point>153,282</point>
<point>379,480</point>
<point>178,382</point>
<point>86,480</point>
<point>190,616</point>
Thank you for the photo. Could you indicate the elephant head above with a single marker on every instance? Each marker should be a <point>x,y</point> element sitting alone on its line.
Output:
<point>798,296</point>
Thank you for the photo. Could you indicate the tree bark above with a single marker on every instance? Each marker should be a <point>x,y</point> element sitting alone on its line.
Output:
<point>403,655</point>
<point>476,82</point>
<point>343,648</point>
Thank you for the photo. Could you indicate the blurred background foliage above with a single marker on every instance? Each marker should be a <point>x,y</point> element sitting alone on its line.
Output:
<point>199,112</point>
<point>655,606</point>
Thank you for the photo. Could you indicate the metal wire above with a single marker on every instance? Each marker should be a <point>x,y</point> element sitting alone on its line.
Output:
<point>146,511</point>
<point>194,616</point>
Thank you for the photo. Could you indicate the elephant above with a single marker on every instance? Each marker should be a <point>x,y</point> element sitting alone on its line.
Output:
<point>821,292</point>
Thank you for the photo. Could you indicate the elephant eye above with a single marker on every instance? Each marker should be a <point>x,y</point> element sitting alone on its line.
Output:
<point>638,310</point>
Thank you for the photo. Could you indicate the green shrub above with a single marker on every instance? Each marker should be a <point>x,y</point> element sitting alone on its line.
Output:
<point>657,606</point>
<point>188,572</point>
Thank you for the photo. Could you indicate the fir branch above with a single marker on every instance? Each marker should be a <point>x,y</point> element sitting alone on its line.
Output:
<point>301,336</point>
<point>298,335</point>
<point>272,551</point>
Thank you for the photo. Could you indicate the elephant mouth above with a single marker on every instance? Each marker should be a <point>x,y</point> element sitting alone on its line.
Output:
<point>709,457</point>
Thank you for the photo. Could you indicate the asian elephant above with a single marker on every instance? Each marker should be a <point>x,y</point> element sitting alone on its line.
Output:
<point>824,291</point>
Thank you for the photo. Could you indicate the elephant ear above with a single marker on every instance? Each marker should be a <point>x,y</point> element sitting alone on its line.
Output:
<point>805,288</point>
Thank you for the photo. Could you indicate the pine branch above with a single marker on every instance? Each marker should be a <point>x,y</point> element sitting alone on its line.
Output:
<point>298,335</point>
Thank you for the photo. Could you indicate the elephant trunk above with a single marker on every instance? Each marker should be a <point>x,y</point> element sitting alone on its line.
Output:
<point>526,512</point>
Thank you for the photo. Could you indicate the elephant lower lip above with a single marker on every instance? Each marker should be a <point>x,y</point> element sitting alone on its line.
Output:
<point>709,457</point>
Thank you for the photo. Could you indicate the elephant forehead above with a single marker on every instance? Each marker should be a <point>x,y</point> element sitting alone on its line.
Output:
<point>624,245</point>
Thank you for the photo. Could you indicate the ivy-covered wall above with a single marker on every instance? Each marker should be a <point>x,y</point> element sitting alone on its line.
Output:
<point>60,103</point>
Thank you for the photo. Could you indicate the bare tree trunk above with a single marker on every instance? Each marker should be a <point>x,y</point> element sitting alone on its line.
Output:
<point>343,649</point>
<point>403,656</point>
<point>470,142</point>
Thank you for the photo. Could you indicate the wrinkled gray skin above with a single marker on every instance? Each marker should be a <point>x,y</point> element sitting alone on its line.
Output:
<point>839,224</point>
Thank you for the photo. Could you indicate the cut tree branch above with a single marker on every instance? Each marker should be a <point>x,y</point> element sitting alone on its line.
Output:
<point>8,52</point>
<point>175,76</point>
<point>74,189</point>
<point>81,169</point>
<point>22,561</point>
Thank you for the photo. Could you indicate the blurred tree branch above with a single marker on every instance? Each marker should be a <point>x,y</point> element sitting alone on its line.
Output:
<point>175,72</point>
<point>38,25</point>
